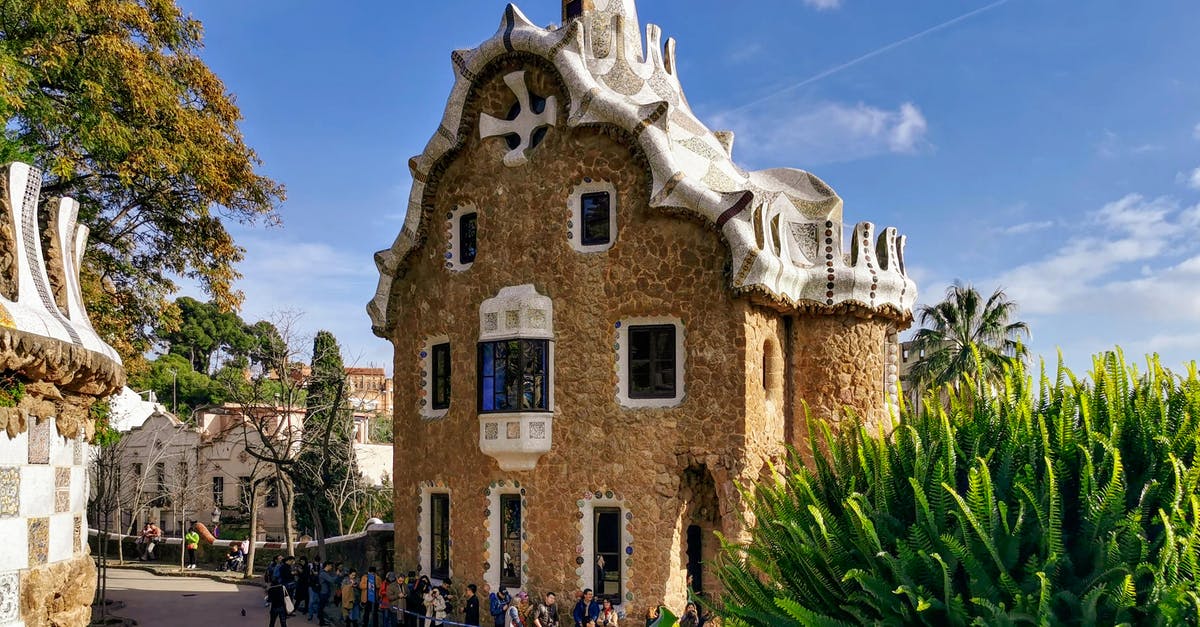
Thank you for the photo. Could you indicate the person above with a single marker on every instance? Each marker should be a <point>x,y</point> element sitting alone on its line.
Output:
<point>329,583</point>
<point>471,606</point>
<point>349,599</point>
<point>368,587</point>
<point>447,596</point>
<point>586,610</point>
<point>150,537</point>
<point>608,615</point>
<point>277,599</point>
<point>232,558</point>
<point>417,603</point>
<point>270,570</point>
<point>387,616</point>
<point>413,604</point>
<point>285,576</point>
<point>435,607</point>
<point>496,605</point>
<point>512,613</point>
<point>302,584</point>
<point>651,616</point>
<point>191,542</point>
<point>546,614</point>
<point>397,594</point>
<point>690,618</point>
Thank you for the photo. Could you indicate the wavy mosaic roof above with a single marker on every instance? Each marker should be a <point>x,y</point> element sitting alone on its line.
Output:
<point>783,225</point>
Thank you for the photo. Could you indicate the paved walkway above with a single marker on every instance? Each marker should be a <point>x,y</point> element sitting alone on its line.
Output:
<point>172,601</point>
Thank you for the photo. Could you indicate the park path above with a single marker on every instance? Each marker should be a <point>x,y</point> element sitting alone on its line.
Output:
<point>167,601</point>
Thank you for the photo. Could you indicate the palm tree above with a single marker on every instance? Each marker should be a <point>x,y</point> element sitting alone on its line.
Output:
<point>961,325</point>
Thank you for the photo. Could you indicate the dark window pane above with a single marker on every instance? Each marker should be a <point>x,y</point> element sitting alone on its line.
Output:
<point>441,376</point>
<point>594,216</point>
<point>466,237</point>
<point>510,540</point>
<point>439,526</point>
<point>607,552</point>
<point>652,361</point>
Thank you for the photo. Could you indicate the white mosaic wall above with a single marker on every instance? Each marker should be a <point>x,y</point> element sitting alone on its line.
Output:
<point>43,507</point>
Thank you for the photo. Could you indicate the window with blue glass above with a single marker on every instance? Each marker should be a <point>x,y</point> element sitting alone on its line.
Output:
<point>514,375</point>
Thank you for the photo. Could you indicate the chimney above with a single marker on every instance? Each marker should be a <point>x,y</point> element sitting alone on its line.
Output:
<point>572,9</point>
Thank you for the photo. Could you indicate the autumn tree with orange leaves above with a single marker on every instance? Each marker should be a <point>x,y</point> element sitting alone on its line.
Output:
<point>110,99</point>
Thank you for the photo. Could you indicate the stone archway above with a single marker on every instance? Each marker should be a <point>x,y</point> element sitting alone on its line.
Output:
<point>697,546</point>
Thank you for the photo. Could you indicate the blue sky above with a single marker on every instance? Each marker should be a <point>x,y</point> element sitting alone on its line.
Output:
<point>1050,148</point>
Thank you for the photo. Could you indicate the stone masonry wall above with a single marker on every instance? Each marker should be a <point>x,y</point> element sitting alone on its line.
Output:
<point>60,594</point>
<point>838,363</point>
<point>660,265</point>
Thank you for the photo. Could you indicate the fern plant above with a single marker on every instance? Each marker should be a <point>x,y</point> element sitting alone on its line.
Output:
<point>1049,502</point>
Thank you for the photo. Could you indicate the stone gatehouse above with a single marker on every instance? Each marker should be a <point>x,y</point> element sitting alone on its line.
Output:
<point>603,326</point>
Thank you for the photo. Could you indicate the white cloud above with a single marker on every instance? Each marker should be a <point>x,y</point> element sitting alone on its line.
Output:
<point>1088,265</point>
<point>1027,227</point>
<point>823,5</point>
<point>1192,179</point>
<point>809,134</point>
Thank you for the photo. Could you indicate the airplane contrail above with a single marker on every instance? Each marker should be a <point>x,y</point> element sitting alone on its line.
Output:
<point>874,53</point>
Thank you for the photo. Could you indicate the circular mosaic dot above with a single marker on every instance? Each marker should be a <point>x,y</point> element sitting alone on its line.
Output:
<point>522,491</point>
<point>487,492</point>
<point>629,562</point>
<point>628,515</point>
<point>579,515</point>
<point>570,234</point>
<point>830,257</point>
<point>618,324</point>
<point>487,566</point>
<point>597,494</point>
<point>587,179</point>
<point>449,255</point>
<point>608,494</point>
<point>829,285</point>
<point>486,545</point>
<point>587,496</point>
<point>872,294</point>
<point>829,302</point>
<point>424,354</point>
<point>829,294</point>
<point>570,224</point>
<point>579,503</point>
<point>579,560</point>
<point>487,512</point>
<point>629,550</point>
<point>517,484</point>
<point>828,224</point>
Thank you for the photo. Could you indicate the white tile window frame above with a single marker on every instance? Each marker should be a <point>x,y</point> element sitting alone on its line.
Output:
<point>587,571</point>
<point>453,260</point>
<point>425,400</point>
<point>575,210</point>
<point>495,547</point>
<point>425,528</point>
<point>622,345</point>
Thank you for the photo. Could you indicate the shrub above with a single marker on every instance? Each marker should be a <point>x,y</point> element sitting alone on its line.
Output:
<point>1077,506</point>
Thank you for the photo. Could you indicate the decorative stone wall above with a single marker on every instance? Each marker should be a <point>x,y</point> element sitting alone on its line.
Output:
<point>774,311</point>
<point>53,360</point>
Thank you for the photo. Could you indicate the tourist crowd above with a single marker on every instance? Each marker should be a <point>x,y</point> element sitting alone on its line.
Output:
<point>369,599</point>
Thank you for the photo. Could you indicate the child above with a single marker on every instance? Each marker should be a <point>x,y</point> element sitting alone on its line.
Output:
<point>349,599</point>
